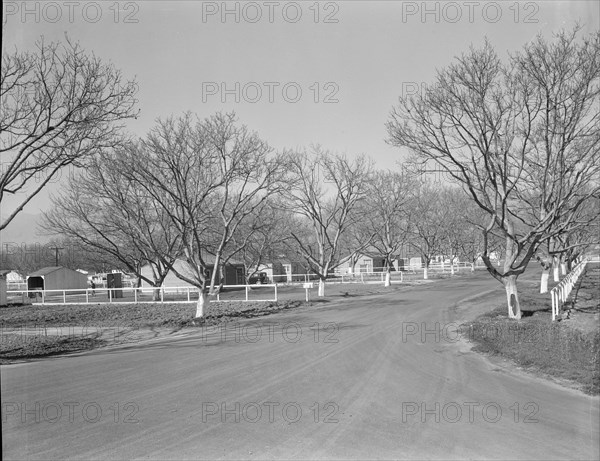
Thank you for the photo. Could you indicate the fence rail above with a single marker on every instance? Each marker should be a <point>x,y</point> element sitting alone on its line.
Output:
<point>188,294</point>
<point>560,293</point>
<point>376,274</point>
<point>129,295</point>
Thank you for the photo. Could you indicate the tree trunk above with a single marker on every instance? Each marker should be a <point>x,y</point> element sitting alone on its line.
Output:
<point>388,278</point>
<point>425,273</point>
<point>452,267</point>
<point>321,287</point>
<point>472,267</point>
<point>544,281</point>
<point>202,303</point>
<point>156,294</point>
<point>563,268</point>
<point>512,297</point>
<point>555,271</point>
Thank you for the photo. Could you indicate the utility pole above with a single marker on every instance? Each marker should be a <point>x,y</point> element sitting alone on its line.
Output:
<point>56,253</point>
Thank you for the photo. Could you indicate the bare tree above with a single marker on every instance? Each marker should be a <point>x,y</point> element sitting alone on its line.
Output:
<point>428,223</point>
<point>521,137</point>
<point>106,211</point>
<point>388,199</point>
<point>358,236</point>
<point>58,106</point>
<point>325,190</point>
<point>262,237</point>
<point>209,177</point>
<point>560,251</point>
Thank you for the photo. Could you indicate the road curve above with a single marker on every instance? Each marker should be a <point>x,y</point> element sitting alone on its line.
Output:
<point>355,378</point>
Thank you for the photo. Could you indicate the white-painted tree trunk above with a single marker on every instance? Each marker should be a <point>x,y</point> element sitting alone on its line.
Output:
<point>472,267</point>
<point>556,274</point>
<point>452,269</point>
<point>425,273</point>
<point>202,303</point>
<point>388,279</point>
<point>563,268</point>
<point>544,281</point>
<point>321,287</point>
<point>443,266</point>
<point>512,297</point>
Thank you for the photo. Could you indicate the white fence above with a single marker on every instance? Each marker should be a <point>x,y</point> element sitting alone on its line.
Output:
<point>126,295</point>
<point>560,293</point>
<point>377,274</point>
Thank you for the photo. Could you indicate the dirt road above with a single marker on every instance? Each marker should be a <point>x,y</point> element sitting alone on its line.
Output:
<point>381,378</point>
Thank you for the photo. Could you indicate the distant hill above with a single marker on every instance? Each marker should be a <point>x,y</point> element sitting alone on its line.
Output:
<point>24,229</point>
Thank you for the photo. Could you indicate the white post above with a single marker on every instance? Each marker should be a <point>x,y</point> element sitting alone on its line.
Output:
<point>162,294</point>
<point>135,295</point>
<point>246,288</point>
<point>87,296</point>
<point>64,296</point>
<point>110,295</point>
<point>188,294</point>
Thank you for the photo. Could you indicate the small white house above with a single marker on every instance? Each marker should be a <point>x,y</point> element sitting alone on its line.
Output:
<point>56,278</point>
<point>234,274</point>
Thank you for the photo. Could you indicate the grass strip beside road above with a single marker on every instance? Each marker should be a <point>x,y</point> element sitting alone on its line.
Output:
<point>28,332</point>
<point>568,350</point>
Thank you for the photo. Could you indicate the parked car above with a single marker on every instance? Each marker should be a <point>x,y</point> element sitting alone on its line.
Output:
<point>259,278</point>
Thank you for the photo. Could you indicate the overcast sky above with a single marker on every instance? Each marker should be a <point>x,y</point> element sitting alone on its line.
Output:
<point>328,72</point>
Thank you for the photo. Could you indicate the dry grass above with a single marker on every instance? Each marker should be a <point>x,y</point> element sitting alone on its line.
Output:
<point>558,349</point>
<point>17,343</point>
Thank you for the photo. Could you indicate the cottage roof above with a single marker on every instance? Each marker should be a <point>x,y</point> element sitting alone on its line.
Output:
<point>45,271</point>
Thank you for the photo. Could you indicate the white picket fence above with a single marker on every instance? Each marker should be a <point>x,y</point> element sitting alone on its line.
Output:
<point>560,293</point>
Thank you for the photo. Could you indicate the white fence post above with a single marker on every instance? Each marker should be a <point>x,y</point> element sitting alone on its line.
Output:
<point>560,293</point>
